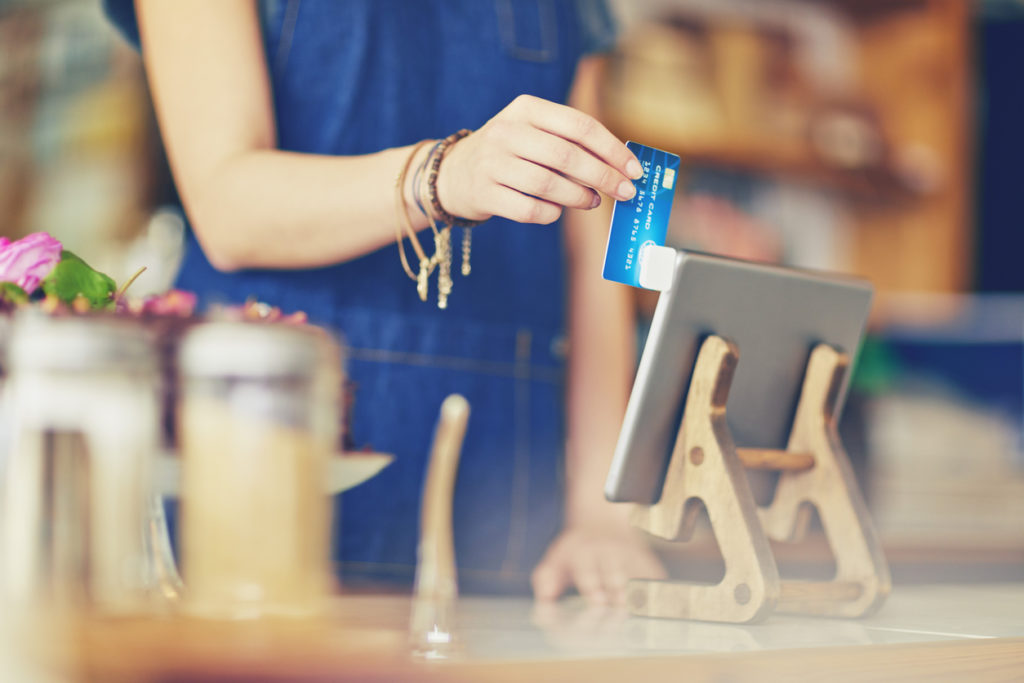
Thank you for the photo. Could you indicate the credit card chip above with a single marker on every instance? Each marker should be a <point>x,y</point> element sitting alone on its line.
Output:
<point>670,178</point>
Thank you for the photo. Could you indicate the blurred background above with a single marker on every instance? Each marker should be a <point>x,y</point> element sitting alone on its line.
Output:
<point>875,137</point>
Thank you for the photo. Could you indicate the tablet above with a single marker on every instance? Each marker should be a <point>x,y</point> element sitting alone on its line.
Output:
<point>774,315</point>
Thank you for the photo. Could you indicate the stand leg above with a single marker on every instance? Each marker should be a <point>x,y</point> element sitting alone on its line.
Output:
<point>705,466</point>
<point>862,578</point>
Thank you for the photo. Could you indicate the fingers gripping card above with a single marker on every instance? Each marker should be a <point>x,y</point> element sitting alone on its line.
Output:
<point>639,225</point>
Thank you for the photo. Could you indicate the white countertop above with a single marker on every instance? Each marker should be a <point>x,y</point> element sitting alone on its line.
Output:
<point>493,628</point>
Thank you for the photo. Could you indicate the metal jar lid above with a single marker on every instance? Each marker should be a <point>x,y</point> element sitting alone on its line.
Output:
<point>257,350</point>
<point>78,343</point>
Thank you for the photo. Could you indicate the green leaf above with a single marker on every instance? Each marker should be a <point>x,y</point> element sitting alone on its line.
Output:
<point>11,293</point>
<point>73,277</point>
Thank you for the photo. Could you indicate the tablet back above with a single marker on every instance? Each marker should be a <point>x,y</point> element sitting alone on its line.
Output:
<point>774,315</point>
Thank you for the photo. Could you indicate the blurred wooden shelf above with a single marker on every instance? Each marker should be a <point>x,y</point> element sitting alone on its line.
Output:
<point>869,9</point>
<point>766,156</point>
<point>894,149</point>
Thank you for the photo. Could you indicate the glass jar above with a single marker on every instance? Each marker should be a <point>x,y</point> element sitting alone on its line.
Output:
<point>258,421</point>
<point>81,409</point>
<point>5,417</point>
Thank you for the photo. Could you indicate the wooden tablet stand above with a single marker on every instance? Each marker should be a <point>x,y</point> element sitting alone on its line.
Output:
<point>706,466</point>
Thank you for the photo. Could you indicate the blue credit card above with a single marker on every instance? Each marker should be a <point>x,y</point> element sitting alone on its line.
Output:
<point>643,220</point>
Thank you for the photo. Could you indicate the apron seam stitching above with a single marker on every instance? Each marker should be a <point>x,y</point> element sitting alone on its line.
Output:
<point>514,370</point>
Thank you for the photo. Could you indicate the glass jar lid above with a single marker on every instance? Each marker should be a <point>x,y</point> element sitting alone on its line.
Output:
<point>38,341</point>
<point>255,349</point>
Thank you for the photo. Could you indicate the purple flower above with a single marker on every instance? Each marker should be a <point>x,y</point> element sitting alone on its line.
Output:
<point>174,302</point>
<point>29,260</point>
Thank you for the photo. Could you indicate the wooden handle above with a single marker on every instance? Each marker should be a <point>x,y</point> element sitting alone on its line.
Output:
<point>435,571</point>
<point>431,622</point>
<point>795,593</point>
<point>767,459</point>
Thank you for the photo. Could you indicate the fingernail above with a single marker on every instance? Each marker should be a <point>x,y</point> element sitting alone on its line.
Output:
<point>634,169</point>
<point>596,201</point>
<point>626,190</point>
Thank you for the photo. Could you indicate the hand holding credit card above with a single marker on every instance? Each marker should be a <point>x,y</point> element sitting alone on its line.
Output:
<point>636,253</point>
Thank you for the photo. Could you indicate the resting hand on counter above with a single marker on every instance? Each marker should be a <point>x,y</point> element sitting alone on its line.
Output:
<point>598,561</point>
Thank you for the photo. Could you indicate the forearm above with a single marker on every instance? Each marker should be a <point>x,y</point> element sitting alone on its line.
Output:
<point>600,372</point>
<point>274,209</point>
<point>602,343</point>
<point>250,204</point>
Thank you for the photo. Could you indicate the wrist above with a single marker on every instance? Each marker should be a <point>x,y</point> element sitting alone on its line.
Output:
<point>442,183</point>
<point>595,511</point>
<point>441,189</point>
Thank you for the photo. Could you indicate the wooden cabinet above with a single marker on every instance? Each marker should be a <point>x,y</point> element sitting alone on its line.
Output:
<point>915,70</point>
<point>893,146</point>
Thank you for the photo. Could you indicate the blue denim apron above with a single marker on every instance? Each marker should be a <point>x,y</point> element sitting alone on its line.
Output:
<point>359,76</point>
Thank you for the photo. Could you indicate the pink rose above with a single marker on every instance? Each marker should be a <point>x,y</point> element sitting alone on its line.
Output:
<point>29,260</point>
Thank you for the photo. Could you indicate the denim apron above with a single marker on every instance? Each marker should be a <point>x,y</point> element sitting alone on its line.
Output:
<point>358,76</point>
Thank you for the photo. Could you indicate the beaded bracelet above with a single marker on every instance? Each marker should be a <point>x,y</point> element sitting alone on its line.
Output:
<point>435,165</point>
